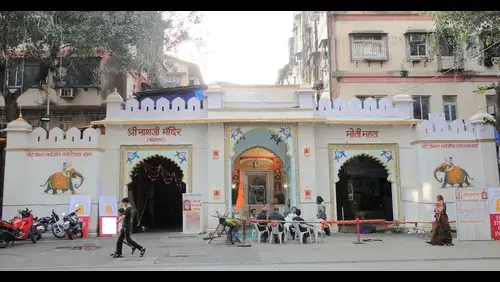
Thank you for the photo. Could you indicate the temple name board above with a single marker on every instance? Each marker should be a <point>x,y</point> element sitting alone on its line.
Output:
<point>156,131</point>
<point>358,133</point>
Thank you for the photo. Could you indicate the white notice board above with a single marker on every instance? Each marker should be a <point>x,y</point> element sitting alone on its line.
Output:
<point>473,214</point>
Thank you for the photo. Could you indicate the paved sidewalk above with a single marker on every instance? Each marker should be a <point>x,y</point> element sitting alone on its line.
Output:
<point>166,252</point>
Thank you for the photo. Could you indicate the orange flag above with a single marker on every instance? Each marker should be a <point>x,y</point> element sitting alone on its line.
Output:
<point>240,201</point>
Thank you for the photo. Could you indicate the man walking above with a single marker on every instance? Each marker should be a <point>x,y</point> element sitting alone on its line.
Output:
<point>126,231</point>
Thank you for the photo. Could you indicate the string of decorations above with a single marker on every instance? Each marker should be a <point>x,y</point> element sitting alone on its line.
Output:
<point>158,172</point>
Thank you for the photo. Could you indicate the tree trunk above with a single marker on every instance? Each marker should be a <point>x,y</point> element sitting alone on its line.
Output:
<point>10,107</point>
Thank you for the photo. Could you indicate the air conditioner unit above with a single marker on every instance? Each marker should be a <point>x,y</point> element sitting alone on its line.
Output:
<point>446,63</point>
<point>67,93</point>
<point>315,15</point>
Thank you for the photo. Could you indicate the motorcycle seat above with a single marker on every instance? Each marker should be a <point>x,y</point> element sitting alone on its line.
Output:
<point>6,221</point>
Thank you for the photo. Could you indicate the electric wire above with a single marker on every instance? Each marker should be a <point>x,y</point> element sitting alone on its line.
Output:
<point>452,69</point>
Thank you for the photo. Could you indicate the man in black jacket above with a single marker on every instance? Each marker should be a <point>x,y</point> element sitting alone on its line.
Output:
<point>126,231</point>
<point>263,215</point>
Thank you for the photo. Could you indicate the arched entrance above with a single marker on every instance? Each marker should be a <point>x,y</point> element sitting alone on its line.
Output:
<point>258,179</point>
<point>261,168</point>
<point>363,190</point>
<point>156,189</point>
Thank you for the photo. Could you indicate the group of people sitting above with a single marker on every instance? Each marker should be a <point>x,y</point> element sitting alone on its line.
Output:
<point>283,223</point>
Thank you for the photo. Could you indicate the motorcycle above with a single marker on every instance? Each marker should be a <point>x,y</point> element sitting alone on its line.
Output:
<point>71,226</point>
<point>48,223</point>
<point>19,228</point>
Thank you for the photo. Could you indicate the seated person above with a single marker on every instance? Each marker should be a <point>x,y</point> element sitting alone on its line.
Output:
<point>263,215</point>
<point>289,218</point>
<point>302,228</point>
<point>276,215</point>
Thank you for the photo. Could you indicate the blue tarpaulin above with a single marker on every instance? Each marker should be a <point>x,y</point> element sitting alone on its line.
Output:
<point>497,136</point>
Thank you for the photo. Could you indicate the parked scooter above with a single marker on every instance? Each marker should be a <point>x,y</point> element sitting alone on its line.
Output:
<point>48,223</point>
<point>71,226</point>
<point>19,228</point>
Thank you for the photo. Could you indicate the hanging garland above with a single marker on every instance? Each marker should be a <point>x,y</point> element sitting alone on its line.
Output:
<point>156,172</point>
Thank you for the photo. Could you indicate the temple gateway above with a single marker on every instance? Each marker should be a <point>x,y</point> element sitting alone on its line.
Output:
<point>241,147</point>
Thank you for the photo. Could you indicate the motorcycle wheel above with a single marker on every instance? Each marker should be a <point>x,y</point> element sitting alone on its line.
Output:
<point>79,232</point>
<point>70,234</point>
<point>58,231</point>
<point>32,235</point>
<point>3,243</point>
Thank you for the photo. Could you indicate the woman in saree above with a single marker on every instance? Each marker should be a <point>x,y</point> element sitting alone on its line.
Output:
<point>441,231</point>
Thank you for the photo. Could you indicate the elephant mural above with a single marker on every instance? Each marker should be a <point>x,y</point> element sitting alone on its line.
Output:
<point>63,180</point>
<point>453,174</point>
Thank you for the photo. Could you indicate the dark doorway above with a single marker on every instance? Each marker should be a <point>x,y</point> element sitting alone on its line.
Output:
<point>363,190</point>
<point>156,190</point>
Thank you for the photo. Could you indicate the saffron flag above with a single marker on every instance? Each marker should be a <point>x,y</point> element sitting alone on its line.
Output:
<point>240,201</point>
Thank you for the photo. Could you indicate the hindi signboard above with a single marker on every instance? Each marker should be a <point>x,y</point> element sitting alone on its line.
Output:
<point>191,213</point>
<point>494,197</point>
<point>473,214</point>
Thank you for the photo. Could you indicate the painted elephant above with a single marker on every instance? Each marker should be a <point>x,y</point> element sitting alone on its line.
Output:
<point>63,181</point>
<point>452,175</point>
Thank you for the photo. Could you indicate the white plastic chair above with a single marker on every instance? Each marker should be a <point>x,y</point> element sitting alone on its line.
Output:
<point>256,233</point>
<point>300,234</point>
<point>318,232</point>
<point>276,231</point>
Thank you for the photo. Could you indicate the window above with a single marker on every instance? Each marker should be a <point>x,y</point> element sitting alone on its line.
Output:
<point>81,75</point>
<point>371,47</point>
<point>418,45</point>
<point>450,107</point>
<point>421,106</point>
<point>491,104</point>
<point>15,74</point>
<point>447,46</point>
<point>191,82</point>
<point>376,97</point>
<point>173,80</point>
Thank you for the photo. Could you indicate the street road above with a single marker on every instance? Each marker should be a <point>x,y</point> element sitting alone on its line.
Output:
<point>177,253</point>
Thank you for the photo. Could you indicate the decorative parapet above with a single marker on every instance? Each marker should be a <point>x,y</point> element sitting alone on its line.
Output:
<point>57,138</point>
<point>437,128</point>
<point>400,107</point>
<point>236,101</point>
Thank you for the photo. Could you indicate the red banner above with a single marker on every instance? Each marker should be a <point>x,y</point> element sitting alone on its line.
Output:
<point>495,226</point>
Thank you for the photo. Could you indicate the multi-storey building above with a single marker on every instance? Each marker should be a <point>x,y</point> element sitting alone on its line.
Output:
<point>78,96</point>
<point>308,52</point>
<point>380,54</point>
<point>181,73</point>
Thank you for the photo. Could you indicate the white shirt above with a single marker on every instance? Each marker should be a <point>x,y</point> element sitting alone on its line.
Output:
<point>290,217</point>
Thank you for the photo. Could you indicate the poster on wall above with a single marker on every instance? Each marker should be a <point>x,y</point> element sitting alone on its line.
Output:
<point>473,214</point>
<point>108,213</point>
<point>84,204</point>
<point>494,197</point>
<point>108,206</point>
<point>191,213</point>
